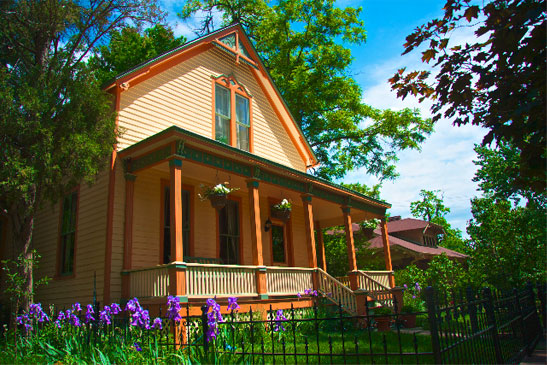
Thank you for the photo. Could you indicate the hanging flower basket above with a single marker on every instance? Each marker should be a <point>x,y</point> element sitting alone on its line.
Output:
<point>217,195</point>
<point>218,201</point>
<point>282,211</point>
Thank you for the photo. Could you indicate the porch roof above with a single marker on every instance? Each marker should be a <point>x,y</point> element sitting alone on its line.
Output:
<point>178,142</point>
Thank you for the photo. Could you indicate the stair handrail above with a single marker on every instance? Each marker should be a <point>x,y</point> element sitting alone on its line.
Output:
<point>374,293</point>
<point>349,307</point>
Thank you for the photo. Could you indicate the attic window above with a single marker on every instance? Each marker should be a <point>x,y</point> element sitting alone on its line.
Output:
<point>232,43</point>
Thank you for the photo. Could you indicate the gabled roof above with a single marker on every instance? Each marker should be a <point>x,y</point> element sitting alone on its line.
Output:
<point>376,243</point>
<point>181,53</point>
<point>410,224</point>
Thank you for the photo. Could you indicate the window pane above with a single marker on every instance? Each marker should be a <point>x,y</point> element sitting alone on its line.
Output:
<point>278,244</point>
<point>229,232</point>
<point>242,110</point>
<point>242,137</point>
<point>167,221</point>
<point>223,114</point>
<point>68,233</point>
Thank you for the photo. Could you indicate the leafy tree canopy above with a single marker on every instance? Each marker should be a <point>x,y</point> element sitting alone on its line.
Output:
<point>128,48</point>
<point>56,124</point>
<point>302,45</point>
<point>507,235</point>
<point>496,80</point>
<point>432,209</point>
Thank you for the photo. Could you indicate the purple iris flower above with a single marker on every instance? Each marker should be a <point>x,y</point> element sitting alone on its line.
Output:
<point>213,318</point>
<point>157,324</point>
<point>89,314</point>
<point>76,307</point>
<point>173,308</point>
<point>105,315</point>
<point>137,346</point>
<point>115,308</point>
<point>299,295</point>
<point>307,291</point>
<point>280,317</point>
<point>232,304</point>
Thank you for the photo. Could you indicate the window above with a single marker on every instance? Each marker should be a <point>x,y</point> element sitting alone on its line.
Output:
<point>228,225</point>
<point>278,244</point>
<point>232,114</point>
<point>69,211</point>
<point>166,224</point>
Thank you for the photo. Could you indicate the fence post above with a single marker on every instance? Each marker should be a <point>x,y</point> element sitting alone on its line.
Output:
<point>205,327</point>
<point>491,318</point>
<point>472,309</point>
<point>541,296</point>
<point>537,330</point>
<point>432,316</point>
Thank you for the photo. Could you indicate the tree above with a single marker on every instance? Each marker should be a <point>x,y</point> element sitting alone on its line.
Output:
<point>128,48</point>
<point>300,42</point>
<point>432,209</point>
<point>496,80</point>
<point>508,230</point>
<point>56,124</point>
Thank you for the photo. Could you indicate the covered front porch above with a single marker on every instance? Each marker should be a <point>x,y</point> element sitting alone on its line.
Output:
<point>176,244</point>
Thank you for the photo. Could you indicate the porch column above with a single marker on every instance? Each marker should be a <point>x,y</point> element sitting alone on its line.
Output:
<point>128,232</point>
<point>321,246</point>
<point>310,237</point>
<point>387,252</point>
<point>256,238</point>
<point>352,261</point>
<point>177,272</point>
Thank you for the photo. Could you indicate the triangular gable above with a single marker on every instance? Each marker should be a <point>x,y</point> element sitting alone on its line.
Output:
<point>234,41</point>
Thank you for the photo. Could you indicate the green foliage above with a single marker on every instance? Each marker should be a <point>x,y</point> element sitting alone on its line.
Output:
<point>508,229</point>
<point>304,45</point>
<point>128,48</point>
<point>337,254</point>
<point>16,280</point>
<point>442,273</point>
<point>432,209</point>
<point>431,206</point>
<point>57,127</point>
<point>496,80</point>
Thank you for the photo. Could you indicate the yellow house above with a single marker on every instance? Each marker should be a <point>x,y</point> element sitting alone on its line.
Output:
<point>202,114</point>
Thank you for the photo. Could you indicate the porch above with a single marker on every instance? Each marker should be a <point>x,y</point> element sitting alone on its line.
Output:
<point>237,243</point>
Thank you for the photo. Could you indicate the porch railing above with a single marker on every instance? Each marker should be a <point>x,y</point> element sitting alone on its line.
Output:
<point>288,280</point>
<point>207,280</point>
<point>381,277</point>
<point>149,282</point>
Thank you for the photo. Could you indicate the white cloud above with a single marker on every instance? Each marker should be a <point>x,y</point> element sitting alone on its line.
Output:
<point>446,160</point>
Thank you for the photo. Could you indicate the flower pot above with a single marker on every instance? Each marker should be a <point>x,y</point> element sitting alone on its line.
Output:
<point>409,320</point>
<point>218,201</point>
<point>281,214</point>
<point>383,323</point>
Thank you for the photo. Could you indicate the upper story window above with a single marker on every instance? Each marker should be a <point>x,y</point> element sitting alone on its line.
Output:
<point>232,114</point>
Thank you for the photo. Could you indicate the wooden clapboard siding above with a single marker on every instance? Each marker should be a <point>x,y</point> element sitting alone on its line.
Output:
<point>299,236</point>
<point>90,241</point>
<point>117,234</point>
<point>182,96</point>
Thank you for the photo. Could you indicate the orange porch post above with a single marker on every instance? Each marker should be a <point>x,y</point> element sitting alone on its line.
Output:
<point>350,244</point>
<point>321,246</point>
<point>310,236</point>
<point>256,238</point>
<point>128,232</point>
<point>387,252</point>
<point>177,272</point>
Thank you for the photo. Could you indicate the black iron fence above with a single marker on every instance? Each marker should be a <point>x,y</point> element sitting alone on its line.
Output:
<point>470,327</point>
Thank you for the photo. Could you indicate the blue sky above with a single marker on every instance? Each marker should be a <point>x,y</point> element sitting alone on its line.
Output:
<point>445,162</point>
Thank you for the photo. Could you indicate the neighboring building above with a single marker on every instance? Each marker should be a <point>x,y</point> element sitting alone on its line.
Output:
<point>202,114</point>
<point>413,241</point>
